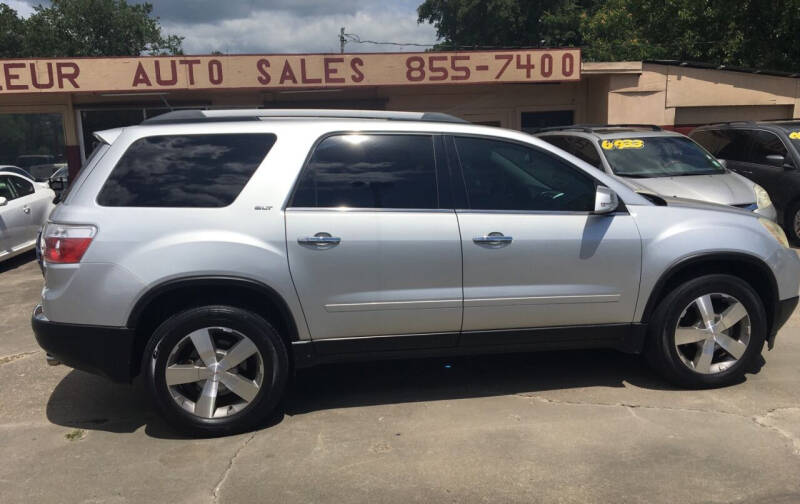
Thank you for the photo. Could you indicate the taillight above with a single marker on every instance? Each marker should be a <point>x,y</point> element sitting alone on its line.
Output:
<point>66,244</point>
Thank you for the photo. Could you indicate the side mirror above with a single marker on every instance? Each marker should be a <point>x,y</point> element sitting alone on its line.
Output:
<point>723,162</point>
<point>605,200</point>
<point>56,185</point>
<point>776,160</point>
<point>3,201</point>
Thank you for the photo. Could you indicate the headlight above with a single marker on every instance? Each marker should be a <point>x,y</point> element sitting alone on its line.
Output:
<point>776,231</point>
<point>762,198</point>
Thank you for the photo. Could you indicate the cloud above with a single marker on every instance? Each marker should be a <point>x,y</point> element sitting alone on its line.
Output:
<point>22,7</point>
<point>278,31</point>
<point>215,10</point>
<point>278,26</point>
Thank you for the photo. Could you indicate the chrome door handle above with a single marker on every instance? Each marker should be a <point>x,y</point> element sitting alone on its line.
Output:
<point>26,209</point>
<point>493,239</point>
<point>320,240</point>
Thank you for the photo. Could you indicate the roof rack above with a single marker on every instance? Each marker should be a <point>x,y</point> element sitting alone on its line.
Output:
<point>750,123</point>
<point>201,116</point>
<point>589,128</point>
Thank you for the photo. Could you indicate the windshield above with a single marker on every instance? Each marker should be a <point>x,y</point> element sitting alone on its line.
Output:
<point>659,157</point>
<point>794,136</point>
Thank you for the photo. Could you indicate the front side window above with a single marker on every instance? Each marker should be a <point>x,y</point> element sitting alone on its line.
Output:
<point>765,143</point>
<point>370,171</point>
<point>185,170</point>
<point>729,144</point>
<point>658,156</point>
<point>21,186</point>
<point>508,176</point>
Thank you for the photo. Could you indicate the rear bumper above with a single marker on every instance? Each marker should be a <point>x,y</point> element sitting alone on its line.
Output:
<point>782,313</point>
<point>101,350</point>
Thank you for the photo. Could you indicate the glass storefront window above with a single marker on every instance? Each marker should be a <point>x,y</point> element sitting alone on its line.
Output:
<point>34,142</point>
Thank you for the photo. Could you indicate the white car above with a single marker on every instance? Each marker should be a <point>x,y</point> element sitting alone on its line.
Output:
<point>24,208</point>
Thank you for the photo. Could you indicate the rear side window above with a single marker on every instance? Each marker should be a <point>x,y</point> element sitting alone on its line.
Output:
<point>370,171</point>
<point>579,147</point>
<point>6,191</point>
<point>21,186</point>
<point>185,170</point>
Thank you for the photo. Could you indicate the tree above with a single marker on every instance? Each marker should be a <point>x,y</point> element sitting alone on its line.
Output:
<point>750,33</point>
<point>502,23</point>
<point>11,32</point>
<point>69,28</point>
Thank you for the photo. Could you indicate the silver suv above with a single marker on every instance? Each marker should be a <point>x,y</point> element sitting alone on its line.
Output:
<point>650,159</point>
<point>214,252</point>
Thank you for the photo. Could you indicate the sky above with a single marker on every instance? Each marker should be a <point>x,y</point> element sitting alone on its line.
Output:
<point>281,26</point>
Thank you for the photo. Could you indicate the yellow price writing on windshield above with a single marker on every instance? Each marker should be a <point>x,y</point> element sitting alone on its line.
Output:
<point>794,135</point>
<point>622,144</point>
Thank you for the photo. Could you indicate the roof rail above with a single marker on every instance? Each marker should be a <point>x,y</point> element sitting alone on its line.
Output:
<point>200,116</point>
<point>588,128</point>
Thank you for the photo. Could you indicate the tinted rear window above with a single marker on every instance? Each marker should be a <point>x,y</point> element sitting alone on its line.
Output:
<point>185,170</point>
<point>370,171</point>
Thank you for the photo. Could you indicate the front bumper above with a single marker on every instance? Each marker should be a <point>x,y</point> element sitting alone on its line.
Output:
<point>106,351</point>
<point>783,311</point>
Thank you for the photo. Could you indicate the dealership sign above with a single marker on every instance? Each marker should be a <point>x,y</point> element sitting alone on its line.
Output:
<point>280,71</point>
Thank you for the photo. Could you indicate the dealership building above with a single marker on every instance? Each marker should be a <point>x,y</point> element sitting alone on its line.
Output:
<point>50,107</point>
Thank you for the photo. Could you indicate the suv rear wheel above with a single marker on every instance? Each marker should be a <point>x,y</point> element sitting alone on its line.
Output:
<point>216,370</point>
<point>706,332</point>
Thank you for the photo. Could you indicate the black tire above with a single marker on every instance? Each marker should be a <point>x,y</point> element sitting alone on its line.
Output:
<point>271,350</point>
<point>660,349</point>
<point>788,222</point>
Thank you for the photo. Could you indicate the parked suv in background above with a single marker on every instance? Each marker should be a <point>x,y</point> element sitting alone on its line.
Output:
<point>662,162</point>
<point>767,153</point>
<point>216,251</point>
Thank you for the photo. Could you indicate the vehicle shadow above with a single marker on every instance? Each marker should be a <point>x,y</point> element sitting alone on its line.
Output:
<point>90,402</point>
<point>17,261</point>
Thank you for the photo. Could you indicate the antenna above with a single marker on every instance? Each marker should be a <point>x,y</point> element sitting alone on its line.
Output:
<point>342,40</point>
<point>166,103</point>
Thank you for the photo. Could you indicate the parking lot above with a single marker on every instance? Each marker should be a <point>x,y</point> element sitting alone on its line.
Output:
<point>581,426</point>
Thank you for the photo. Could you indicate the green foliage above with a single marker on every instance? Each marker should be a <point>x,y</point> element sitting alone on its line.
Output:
<point>502,23</point>
<point>11,32</point>
<point>751,33</point>
<point>69,28</point>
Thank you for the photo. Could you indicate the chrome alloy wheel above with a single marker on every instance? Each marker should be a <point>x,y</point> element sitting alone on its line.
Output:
<point>712,333</point>
<point>214,372</point>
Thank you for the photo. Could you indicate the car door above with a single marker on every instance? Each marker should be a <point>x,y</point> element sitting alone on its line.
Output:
<point>534,255</point>
<point>374,247</point>
<point>14,220</point>
<point>35,204</point>
<point>760,170</point>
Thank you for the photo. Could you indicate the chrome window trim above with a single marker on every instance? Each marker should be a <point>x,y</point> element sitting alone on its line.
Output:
<point>361,210</point>
<point>538,212</point>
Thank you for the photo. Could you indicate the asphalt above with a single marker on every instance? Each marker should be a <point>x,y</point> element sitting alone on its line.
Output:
<point>588,426</point>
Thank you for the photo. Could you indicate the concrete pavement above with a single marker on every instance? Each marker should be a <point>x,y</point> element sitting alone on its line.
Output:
<point>593,426</point>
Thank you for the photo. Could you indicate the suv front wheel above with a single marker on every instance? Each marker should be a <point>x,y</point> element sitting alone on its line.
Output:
<point>792,222</point>
<point>216,370</point>
<point>707,332</point>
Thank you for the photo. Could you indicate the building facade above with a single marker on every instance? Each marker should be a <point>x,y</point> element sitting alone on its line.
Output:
<point>51,107</point>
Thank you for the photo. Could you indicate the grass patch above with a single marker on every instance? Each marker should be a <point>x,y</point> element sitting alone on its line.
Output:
<point>75,435</point>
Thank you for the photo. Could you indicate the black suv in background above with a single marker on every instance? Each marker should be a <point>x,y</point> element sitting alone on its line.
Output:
<point>768,153</point>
